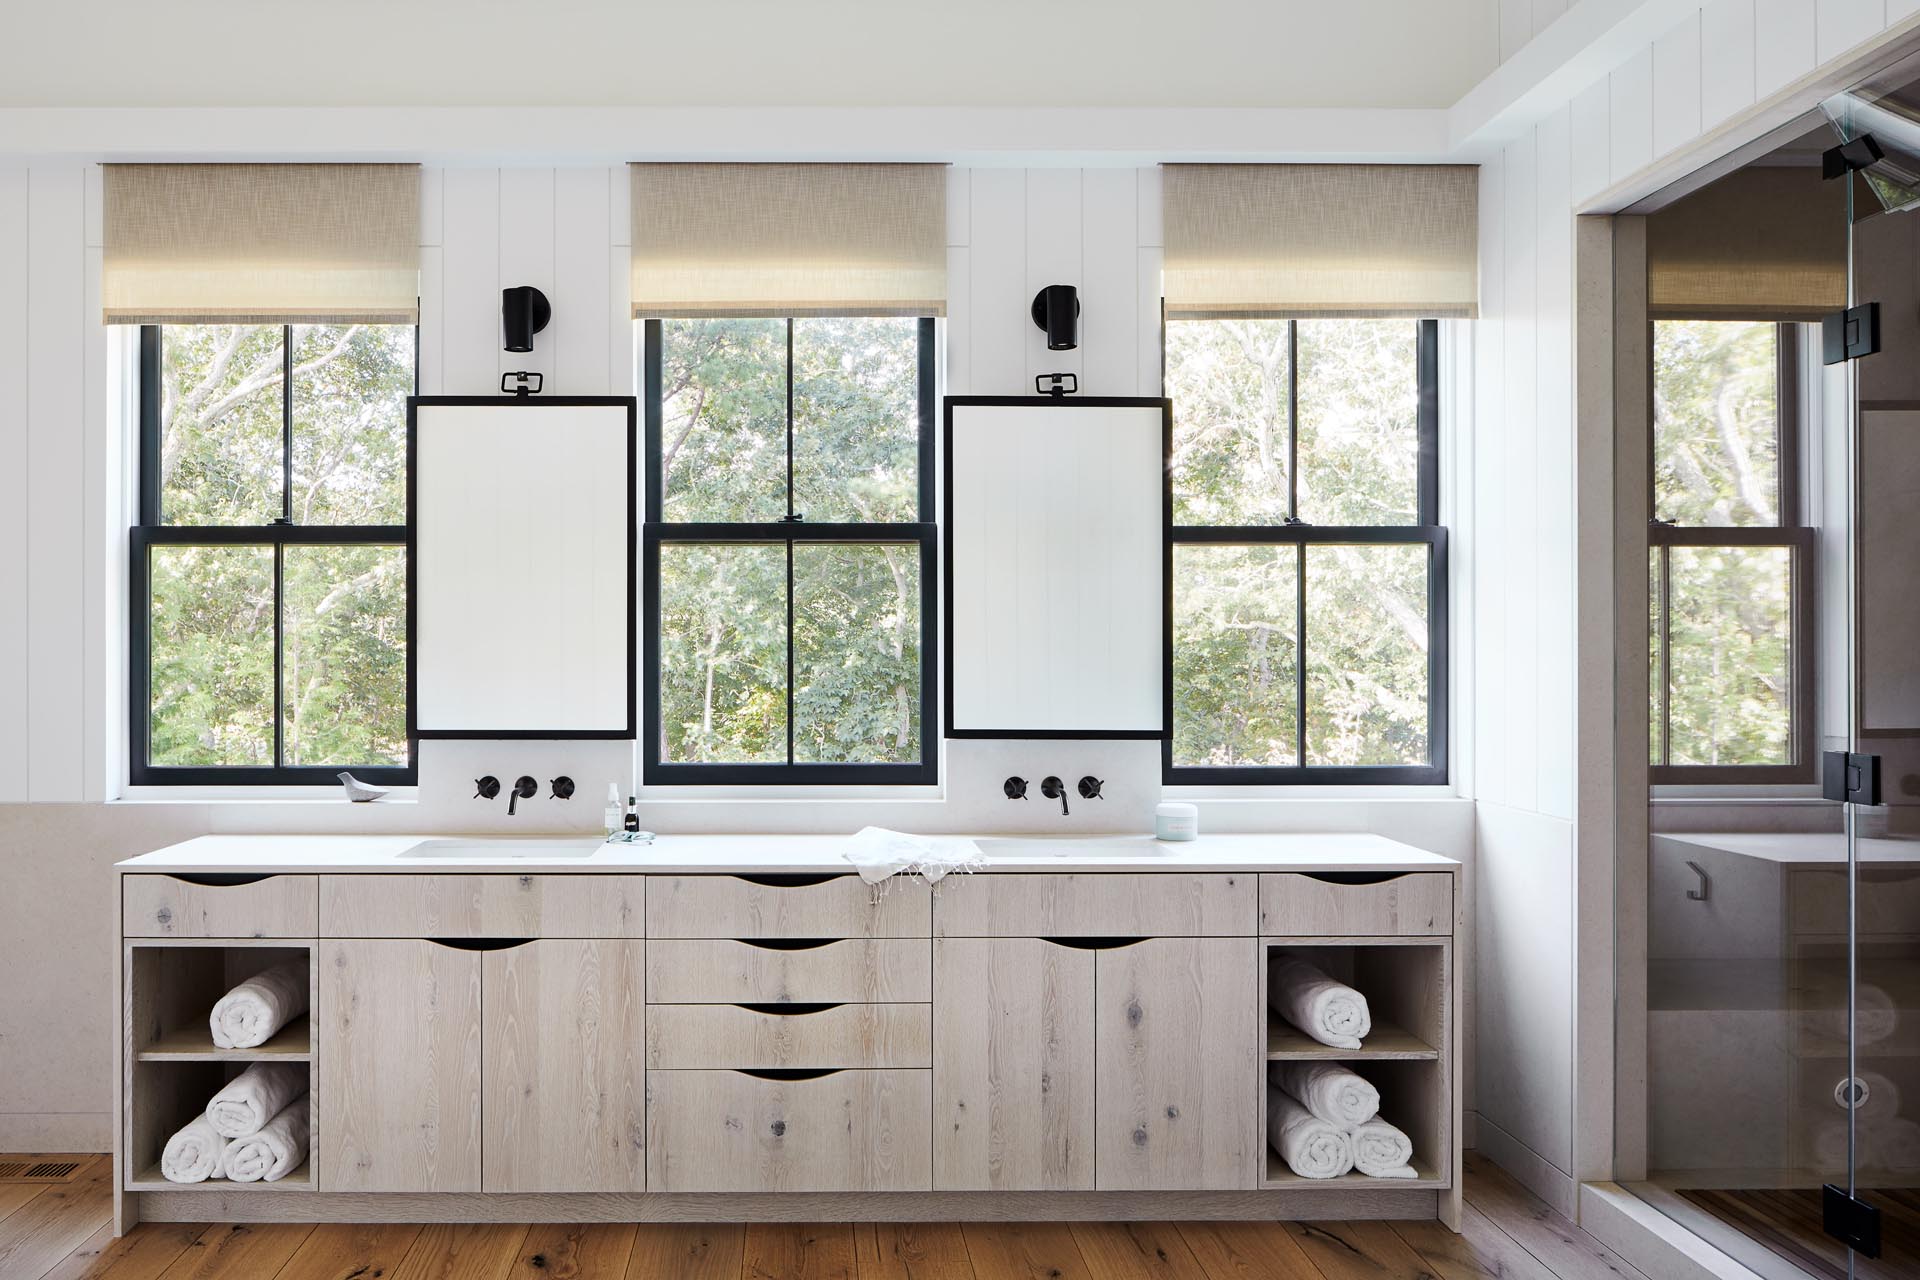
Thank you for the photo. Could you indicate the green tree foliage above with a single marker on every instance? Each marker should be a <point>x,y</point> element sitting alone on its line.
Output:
<point>1716,464</point>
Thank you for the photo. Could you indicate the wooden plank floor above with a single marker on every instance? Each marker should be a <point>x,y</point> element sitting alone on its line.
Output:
<point>62,1232</point>
<point>1788,1222</point>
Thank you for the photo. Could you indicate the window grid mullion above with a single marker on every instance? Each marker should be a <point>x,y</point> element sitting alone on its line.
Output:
<point>792,515</point>
<point>1300,655</point>
<point>789,578</point>
<point>1293,423</point>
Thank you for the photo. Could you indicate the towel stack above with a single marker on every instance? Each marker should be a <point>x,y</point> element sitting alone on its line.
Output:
<point>1324,1120</point>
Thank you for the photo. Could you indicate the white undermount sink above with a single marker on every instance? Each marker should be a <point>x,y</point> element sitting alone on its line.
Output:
<point>1073,847</point>
<point>480,848</point>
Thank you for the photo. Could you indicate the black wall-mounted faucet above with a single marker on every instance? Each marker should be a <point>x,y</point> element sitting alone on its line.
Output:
<point>524,788</point>
<point>1054,789</point>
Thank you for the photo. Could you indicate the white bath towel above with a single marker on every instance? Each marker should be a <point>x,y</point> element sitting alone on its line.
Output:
<point>256,1096</point>
<point>1331,1012</point>
<point>877,853</point>
<point>1331,1091</point>
<point>247,1016</point>
<point>1311,1147</point>
<point>1380,1150</point>
<point>1876,1017</point>
<point>194,1154</point>
<point>275,1151</point>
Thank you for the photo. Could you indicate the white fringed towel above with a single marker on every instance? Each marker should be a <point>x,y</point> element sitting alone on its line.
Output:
<point>275,1151</point>
<point>194,1154</point>
<point>1331,1012</point>
<point>256,1096</point>
<point>1332,1092</point>
<point>247,1016</point>
<point>1311,1147</point>
<point>877,853</point>
<point>1381,1151</point>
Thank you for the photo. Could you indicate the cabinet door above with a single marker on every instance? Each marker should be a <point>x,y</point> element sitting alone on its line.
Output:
<point>1179,1059</point>
<point>396,1088</point>
<point>1013,1065</point>
<point>565,1054</point>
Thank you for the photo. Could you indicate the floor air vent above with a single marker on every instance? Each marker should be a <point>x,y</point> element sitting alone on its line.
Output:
<point>39,1171</point>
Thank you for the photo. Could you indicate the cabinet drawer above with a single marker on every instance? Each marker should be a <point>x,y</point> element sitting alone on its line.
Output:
<point>1293,904</point>
<point>171,907</point>
<point>721,1036</point>
<point>1097,904</point>
<point>786,907</point>
<point>724,971</point>
<point>507,906</point>
<point>839,1131</point>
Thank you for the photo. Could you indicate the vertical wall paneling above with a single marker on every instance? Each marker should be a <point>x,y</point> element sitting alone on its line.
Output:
<point>1522,552</point>
<point>1110,284</point>
<point>527,255</point>
<point>623,359</point>
<point>1783,39</point>
<point>470,283</point>
<point>1053,257</point>
<point>432,370</point>
<point>1553,465</point>
<point>1545,12</point>
<point>958,329</point>
<point>1152,207</point>
<point>581,360</point>
<point>1490,585</point>
<point>1841,24</point>
<point>55,500</point>
<point>1151,342</point>
<point>433,193</point>
<point>959,204</point>
<point>1516,26</point>
<point>15,674</point>
<point>1676,86</point>
<point>1632,99</point>
<point>102,522</point>
<point>999,295</point>
<point>1726,60</point>
<point>1592,141</point>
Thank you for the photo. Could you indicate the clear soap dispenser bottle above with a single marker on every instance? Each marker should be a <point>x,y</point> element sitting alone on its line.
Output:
<point>615,819</point>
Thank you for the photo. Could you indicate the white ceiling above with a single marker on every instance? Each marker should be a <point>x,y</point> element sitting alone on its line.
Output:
<point>971,53</point>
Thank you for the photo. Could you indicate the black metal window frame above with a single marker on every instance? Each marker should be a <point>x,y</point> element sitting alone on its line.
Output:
<point>789,532</point>
<point>1798,539</point>
<point>1293,532</point>
<point>152,531</point>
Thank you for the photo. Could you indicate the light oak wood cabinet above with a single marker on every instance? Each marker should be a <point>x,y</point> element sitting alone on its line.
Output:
<point>786,907</point>
<point>769,1037</point>
<point>725,971</point>
<point>1419,903</point>
<point>396,1090</point>
<point>202,907</point>
<point>1097,904</point>
<point>481,906</point>
<point>1013,1067</point>
<point>563,1035</point>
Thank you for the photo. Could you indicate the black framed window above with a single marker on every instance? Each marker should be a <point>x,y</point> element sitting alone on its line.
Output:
<point>789,551</point>
<point>269,610</point>
<point>1730,557</point>
<point>1306,563</point>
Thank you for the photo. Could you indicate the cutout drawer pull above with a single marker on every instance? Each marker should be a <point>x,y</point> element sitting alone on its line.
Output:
<point>1355,877</point>
<point>1095,944</point>
<point>795,1009</point>
<point>788,880</point>
<point>789,1073</point>
<point>788,944</point>
<point>480,944</point>
<point>220,879</point>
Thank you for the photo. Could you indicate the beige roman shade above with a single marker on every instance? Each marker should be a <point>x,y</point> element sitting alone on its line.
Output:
<point>1759,244</point>
<point>789,239</point>
<point>261,243</point>
<point>1321,240</point>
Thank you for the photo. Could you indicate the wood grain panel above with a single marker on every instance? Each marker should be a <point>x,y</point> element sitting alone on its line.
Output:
<point>849,1131</point>
<point>1358,1251</point>
<point>236,1251</point>
<point>911,1251</point>
<point>37,1235</point>
<point>687,1251</point>
<point>463,1251</point>
<point>1136,1251</point>
<point>396,1088</point>
<point>166,907</point>
<point>1247,1251</point>
<point>574,1251</point>
<point>338,1250</point>
<point>143,1253</point>
<point>798,1251</point>
<point>1013,1067</point>
<point>723,971</point>
<point>1295,905</point>
<point>732,907</point>
<point>1025,1251</point>
<point>724,1036</point>
<point>1179,1059</point>
<point>1095,904</point>
<point>481,906</point>
<point>563,1048</point>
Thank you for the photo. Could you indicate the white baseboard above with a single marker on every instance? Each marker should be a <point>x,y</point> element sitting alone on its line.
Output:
<point>1533,1171</point>
<point>66,1131</point>
<point>1650,1240</point>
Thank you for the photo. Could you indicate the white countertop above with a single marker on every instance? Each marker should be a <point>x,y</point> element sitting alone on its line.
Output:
<point>784,854</point>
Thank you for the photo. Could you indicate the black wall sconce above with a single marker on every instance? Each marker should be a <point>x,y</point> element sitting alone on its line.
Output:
<point>524,311</point>
<point>1056,309</point>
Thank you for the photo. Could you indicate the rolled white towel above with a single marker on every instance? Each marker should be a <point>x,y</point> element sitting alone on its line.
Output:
<point>1827,1139</point>
<point>275,1151</point>
<point>1331,1091</point>
<point>1331,1012</point>
<point>1311,1147</point>
<point>1382,1151</point>
<point>247,1016</point>
<point>256,1096</point>
<point>194,1154</point>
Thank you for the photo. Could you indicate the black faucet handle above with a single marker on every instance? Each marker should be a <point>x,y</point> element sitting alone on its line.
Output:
<point>1090,787</point>
<point>1054,789</point>
<point>1016,788</point>
<point>486,788</point>
<point>562,787</point>
<point>526,787</point>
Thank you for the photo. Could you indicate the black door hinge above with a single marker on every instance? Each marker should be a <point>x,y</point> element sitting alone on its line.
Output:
<point>1850,777</point>
<point>1851,1221</point>
<point>1860,152</point>
<point>1850,334</point>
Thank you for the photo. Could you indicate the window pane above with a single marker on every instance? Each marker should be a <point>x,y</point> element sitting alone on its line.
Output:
<point>344,655</point>
<point>723,402</point>
<point>1228,382</point>
<point>1656,729</point>
<point>1716,422</point>
<point>856,419</point>
<point>211,670</point>
<point>1235,683</point>
<point>1732,655</point>
<point>723,653</point>
<point>856,654</point>
<point>220,423</point>
<point>1367,639</point>
<point>1359,391</point>
<point>350,389</point>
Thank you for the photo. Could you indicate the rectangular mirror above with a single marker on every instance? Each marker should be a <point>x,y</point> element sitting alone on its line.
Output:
<point>1055,555</point>
<point>523,515</point>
